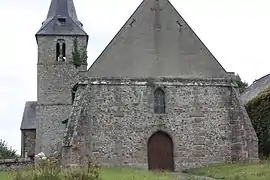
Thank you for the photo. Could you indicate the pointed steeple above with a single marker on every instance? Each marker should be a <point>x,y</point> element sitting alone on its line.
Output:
<point>62,20</point>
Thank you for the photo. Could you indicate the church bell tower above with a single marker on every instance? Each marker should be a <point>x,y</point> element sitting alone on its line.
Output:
<point>61,40</point>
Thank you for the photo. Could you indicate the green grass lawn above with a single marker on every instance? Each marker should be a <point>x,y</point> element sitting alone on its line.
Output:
<point>4,176</point>
<point>119,174</point>
<point>125,174</point>
<point>260,171</point>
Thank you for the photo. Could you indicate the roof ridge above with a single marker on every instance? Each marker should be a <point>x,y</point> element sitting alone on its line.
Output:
<point>261,78</point>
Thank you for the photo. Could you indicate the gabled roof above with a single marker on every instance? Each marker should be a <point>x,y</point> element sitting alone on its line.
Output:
<point>29,116</point>
<point>156,42</point>
<point>255,88</point>
<point>62,20</point>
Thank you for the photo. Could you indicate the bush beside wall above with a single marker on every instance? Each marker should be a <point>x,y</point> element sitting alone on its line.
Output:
<point>259,112</point>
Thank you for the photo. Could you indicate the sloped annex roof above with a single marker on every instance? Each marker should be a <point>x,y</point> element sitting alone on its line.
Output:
<point>255,88</point>
<point>156,42</point>
<point>29,116</point>
<point>62,20</point>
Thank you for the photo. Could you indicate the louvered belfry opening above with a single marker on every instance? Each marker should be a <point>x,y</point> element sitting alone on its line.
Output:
<point>61,50</point>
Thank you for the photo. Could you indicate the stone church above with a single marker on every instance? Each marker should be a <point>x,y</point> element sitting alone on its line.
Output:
<point>155,98</point>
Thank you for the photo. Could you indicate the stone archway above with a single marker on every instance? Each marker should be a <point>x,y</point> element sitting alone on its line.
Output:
<point>160,152</point>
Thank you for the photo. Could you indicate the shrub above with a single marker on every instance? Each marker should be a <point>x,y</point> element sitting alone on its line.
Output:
<point>48,168</point>
<point>259,112</point>
<point>6,152</point>
<point>91,172</point>
<point>78,58</point>
<point>242,85</point>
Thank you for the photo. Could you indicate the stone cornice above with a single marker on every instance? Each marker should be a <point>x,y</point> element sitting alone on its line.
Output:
<point>160,81</point>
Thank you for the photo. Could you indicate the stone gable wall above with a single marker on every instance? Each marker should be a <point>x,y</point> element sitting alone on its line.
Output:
<point>113,122</point>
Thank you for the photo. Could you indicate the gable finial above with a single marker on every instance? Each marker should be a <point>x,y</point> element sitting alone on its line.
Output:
<point>157,10</point>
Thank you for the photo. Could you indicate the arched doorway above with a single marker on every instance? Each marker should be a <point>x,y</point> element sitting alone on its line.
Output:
<point>160,152</point>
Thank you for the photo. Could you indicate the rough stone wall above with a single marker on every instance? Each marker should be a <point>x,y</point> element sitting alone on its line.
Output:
<point>55,79</point>
<point>75,121</point>
<point>29,142</point>
<point>50,129</point>
<point>244,138</point>
<point>114,120</point>
<point>15,164</point>
<point>55,83</point>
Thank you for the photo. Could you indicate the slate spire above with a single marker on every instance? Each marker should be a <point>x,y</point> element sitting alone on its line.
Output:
<point>62,20</point>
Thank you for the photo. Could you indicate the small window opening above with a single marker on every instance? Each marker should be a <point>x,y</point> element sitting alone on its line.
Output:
<point>159,101</point>
<point>64,51</point>
<point>57,51</point>
<point>73,93</point>
<point>62,20</point>
<point>61,51</point>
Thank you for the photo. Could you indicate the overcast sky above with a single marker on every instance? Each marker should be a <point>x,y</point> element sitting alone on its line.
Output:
<point>237,32</point>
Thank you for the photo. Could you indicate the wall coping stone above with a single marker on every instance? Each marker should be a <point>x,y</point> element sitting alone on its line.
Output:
<point>225,82</point>
<point>16,160</point>
<point>15,164</point>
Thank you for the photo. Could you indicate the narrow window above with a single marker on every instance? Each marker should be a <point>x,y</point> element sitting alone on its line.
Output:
<point>73,92</point>
<point>57,51</point>
<point>61,50</point>
<point>159,103</point>
<point>64,51</point>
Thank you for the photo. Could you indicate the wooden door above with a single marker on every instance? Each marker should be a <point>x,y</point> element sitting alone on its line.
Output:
<point>160,152</point>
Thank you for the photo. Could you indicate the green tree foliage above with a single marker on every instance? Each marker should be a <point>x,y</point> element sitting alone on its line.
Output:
<point>259,112</point>
<point>242,85</point>
<point>6,152</point>
<point>78,58</point>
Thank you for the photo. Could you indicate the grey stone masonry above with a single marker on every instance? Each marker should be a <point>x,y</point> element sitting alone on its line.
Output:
<point>55,82</point>
<point>244,138</point>
<point>29,143</point>
<point>56,79</point>
<point>50,129</point>
<point>15,164</point>
<point>57,74</point>
<point>112,120</point>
